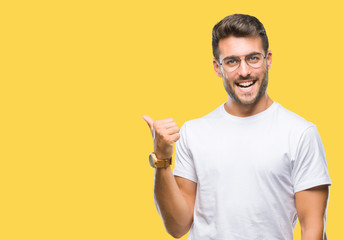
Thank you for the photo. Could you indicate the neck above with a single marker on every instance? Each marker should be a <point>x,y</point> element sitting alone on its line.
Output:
<point>240,110</point>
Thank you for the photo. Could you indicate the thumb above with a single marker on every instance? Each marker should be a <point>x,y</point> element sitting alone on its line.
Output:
<point>149,121</point>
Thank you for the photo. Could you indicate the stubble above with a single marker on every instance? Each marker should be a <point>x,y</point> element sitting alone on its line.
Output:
<point>261,91</point>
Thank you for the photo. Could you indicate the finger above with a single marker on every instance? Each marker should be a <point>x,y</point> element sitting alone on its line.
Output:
<point>165,125</point>
<point>149,121</point>
<point>172,130</point>
<point>166,120</point>
<point>175,137</point>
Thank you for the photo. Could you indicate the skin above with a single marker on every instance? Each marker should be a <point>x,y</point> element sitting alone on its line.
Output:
<point>311,206</point>
<point>175,196</point>
<point>244,104</point>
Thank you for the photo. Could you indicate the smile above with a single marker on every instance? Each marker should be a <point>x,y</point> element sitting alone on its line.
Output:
<point>246,84</point>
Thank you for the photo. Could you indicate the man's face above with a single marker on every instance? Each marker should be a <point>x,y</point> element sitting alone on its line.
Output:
<point>244,74</point>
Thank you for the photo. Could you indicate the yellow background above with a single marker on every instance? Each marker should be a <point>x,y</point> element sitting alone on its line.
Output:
<point>77,76</point>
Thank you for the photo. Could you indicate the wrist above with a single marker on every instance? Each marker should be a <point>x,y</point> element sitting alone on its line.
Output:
<point>159,161</point>
<point>162,156</point>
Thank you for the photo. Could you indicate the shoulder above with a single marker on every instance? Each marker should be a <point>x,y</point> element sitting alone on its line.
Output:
<point>292,121</point>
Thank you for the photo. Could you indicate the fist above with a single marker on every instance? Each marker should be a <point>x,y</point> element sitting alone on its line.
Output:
<point>165,133</point>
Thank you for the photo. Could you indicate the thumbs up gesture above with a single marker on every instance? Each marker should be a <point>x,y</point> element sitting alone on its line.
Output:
<point>164,133</point>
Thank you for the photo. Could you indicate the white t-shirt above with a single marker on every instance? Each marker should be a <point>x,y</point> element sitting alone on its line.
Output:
<point>247,171</point>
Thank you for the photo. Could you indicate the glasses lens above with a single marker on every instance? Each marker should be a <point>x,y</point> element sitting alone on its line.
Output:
<point>254,60</point>
<point>231,64</point>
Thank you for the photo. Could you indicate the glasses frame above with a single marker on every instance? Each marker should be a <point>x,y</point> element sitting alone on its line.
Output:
<point>245,59</point>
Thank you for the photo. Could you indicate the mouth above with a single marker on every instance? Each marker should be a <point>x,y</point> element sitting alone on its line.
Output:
<point>246,84</point>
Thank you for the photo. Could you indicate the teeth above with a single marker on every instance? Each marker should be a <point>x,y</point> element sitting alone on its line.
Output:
<point>245,84</point>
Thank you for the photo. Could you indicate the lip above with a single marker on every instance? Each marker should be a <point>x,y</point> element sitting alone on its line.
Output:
<point>244,81</point>
<point>246,90</point>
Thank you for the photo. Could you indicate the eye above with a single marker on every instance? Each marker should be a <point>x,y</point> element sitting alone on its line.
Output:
<point>230,61</point>
<point>254,58</point>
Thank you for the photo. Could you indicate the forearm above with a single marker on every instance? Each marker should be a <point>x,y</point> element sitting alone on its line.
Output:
<point>171,204</point>
<point>315,232</point>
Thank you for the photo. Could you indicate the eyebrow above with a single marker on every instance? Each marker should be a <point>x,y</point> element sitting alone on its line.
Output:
<point>235,56</point>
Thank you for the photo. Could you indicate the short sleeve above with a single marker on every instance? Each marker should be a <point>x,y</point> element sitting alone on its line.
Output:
<point>310,166</point>
<point>184,164</point>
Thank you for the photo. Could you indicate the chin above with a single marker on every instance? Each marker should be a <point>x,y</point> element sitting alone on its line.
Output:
<point>252,98</point>
<point>247,102</point>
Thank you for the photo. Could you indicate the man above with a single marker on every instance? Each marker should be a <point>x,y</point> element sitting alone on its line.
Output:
<point>250,168</point>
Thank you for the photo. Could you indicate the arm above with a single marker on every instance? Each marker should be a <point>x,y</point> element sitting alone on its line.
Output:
<point>311,208</point>
<point>174,196</point>
<point>174,200</point>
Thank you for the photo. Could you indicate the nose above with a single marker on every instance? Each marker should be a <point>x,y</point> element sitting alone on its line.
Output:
<point>244,69</point>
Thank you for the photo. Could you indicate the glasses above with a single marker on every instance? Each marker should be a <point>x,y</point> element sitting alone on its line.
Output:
<point>254,60</point>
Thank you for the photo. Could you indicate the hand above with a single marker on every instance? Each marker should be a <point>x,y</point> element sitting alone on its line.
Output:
<point>165,133</point>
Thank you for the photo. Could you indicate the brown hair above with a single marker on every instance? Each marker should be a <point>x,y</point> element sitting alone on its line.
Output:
<point>238,25</point>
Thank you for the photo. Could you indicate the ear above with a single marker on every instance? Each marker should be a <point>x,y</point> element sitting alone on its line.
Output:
<point>216,68</point>
<point>269,59</point>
